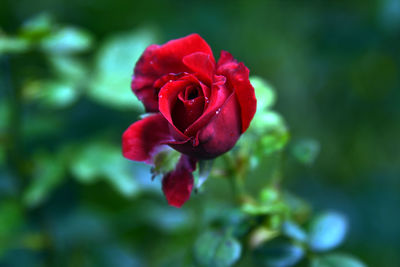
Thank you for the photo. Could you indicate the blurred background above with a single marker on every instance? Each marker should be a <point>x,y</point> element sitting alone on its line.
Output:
<point>68,198</point>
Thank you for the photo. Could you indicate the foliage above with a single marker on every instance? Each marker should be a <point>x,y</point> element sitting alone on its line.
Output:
<point>69,198</point>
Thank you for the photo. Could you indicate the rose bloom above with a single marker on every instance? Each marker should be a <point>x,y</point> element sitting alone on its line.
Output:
<point>198,107</point>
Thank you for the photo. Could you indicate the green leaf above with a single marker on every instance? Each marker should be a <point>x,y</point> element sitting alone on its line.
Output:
<point>327,231</point>
<point>114,68</point>
<point>51,93</point>
<point>262,209</point>
<point>216,249</point>
<point>294,231</point>
<point>276,134</point>
<point>278,253</point>
<point>336,260</point>
<point>68,68</point>
<point>306,151</point>
<point>99,160</point>
<point>272,131</point>
<point>67,40</point>
<point>269,195</point>
<point>265,94</point>
<point>37,27</point>
<point>13,45</point>
<point>48,173</point>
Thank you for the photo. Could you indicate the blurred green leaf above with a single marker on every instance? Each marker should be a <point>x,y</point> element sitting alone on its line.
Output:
<point>114,68</point>
<point>51,93</point>
<point>13,44</point>
<point>265,94</point>
<point>276,134</point>
<point>269,202</point>
<point>99,160</point>
<point>216,249</point>
<point>67,40</point>
<point>48,173</point>
<point>278,253</point>
<point>269,195</point>
<point>272,131</point>
<point>37,27</point>
<point>11,219</point>
<point>327,231</point>
<point>262,209</point>
<point>306,151</point>
<point>68,68</point>
<point>336,260</point>
<point>294,231</point>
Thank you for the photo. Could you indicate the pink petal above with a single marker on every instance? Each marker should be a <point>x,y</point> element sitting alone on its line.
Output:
<point>140,142</point>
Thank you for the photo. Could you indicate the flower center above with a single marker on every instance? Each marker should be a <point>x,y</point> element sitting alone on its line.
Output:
<point>191,92</point>
<point>188,107</point>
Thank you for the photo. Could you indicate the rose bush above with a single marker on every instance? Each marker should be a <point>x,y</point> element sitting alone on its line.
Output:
<point>199,107</point>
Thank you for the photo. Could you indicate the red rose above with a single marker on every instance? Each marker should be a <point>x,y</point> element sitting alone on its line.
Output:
<point>200,108</point>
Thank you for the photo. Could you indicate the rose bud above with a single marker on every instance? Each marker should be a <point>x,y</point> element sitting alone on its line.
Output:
<point>200,108</point>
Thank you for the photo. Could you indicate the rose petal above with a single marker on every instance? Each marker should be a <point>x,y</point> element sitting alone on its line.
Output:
<point>168,97</point>
<point>184,113</point>
<point>177,185</point>
<point>219,94</point>
<point>202,64</point>
<point>218,136</point>
<point>238,79</point>
<point>144,77</point>
<point>159,60</point>
<point>159,83</point>
<point>143,138</point>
